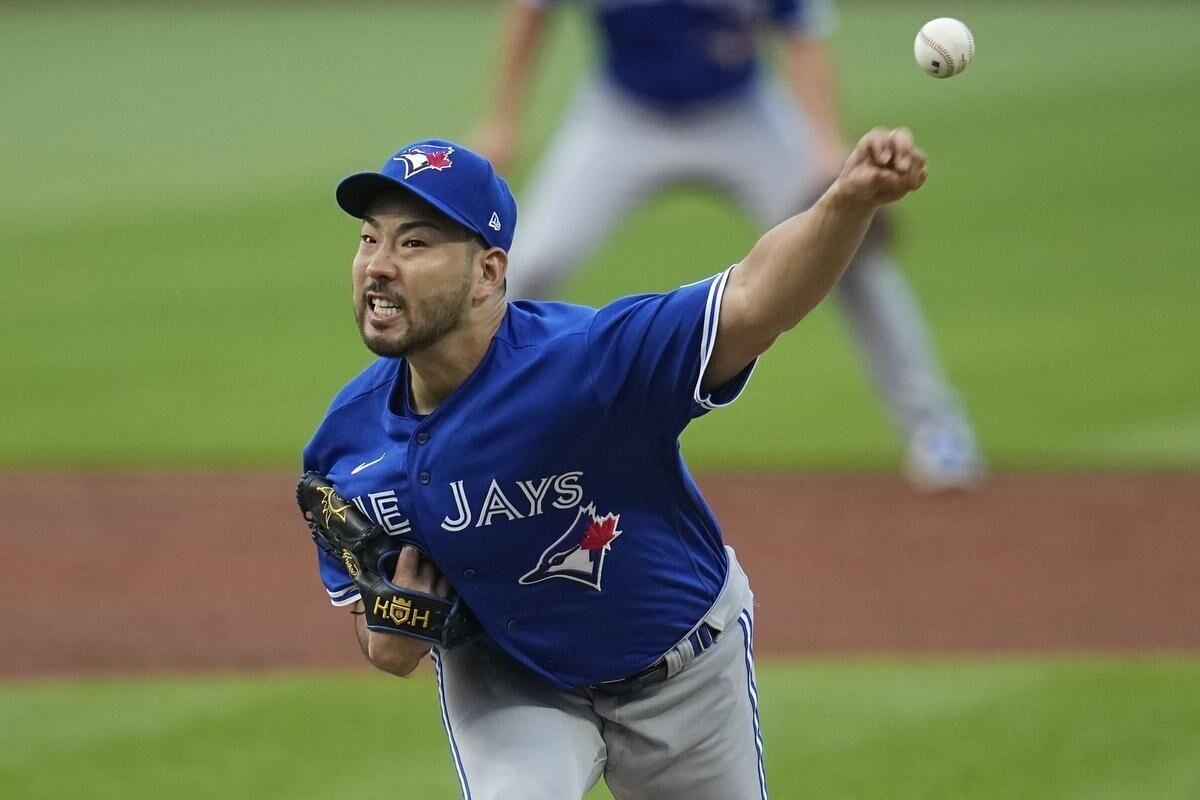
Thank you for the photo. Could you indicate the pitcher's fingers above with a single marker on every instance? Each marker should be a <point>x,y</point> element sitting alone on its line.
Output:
<point>886,181</point>
<point>902,145</point>
<point>878,146</point>
<point>902,139</point>
<point>427,574</point>
<point>918,159</point>
<point>918,179</point>
<point>406,565</point>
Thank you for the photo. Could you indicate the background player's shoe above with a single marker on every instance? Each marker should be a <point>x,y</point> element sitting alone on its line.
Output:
<point>943,457</point>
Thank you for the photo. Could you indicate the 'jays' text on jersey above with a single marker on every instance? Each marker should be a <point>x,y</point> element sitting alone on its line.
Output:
<point>675,53</point>
<point>549,487</point>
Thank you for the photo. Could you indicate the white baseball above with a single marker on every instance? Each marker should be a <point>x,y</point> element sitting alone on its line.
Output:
<point>944,47</point>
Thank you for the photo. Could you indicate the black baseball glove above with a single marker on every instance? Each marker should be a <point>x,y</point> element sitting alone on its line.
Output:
<point>369,553</point>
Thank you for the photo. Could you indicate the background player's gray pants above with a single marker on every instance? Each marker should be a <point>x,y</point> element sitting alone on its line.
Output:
<point>613,153</point>
<point>694,736</point>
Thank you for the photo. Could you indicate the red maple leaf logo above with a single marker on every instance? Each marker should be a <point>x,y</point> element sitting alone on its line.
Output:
<point>599,533</point>
<point>438,159</point>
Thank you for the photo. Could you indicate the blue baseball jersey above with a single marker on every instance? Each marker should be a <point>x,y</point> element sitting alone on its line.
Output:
<point>549,487</point>
<point>675,53</point>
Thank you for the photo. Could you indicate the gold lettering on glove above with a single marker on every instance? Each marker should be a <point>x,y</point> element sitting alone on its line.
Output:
<point>401,612</point>
<point>351,563</point>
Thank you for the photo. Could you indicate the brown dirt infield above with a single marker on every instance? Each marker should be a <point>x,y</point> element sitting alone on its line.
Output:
<point>138,572</point>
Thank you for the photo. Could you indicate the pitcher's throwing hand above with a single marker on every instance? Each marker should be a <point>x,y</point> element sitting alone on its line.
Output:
<point>884,167</point>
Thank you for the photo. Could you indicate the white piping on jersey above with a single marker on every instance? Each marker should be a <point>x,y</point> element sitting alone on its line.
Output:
<point>708,341</point>
<point>344,597</point>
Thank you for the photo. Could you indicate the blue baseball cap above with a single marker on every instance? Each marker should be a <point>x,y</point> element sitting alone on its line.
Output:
<point>461,184</point>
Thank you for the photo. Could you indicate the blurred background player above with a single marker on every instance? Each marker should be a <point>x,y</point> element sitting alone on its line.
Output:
<point>681,97</point>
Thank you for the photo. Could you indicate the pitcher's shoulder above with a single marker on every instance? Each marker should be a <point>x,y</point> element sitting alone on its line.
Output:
<point>533,322</point>
<point>379,374</point>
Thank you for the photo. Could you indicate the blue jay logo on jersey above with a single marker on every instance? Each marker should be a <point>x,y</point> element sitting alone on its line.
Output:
<point>578,555</point>
<point>423,157</point>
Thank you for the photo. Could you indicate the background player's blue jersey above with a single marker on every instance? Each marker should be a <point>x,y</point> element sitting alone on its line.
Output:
<point>678,52</point>
<point>549,487</point>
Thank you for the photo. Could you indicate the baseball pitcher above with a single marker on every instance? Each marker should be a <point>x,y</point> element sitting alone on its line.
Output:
<point>503,488</point>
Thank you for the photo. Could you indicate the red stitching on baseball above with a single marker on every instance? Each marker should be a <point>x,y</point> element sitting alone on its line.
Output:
<point>942,51</point>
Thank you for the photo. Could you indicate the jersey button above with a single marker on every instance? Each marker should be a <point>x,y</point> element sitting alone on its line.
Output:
<point>469,572</point>
<point>511,624</point>
<point>422,438</point>
<point>424,477</point>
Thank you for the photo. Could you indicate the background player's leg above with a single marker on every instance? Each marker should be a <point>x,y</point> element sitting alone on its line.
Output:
<point>512,735</point>
<point>696,735</point>
<point>594,173</point>
<point>883,316</point>
<point>875,298</point>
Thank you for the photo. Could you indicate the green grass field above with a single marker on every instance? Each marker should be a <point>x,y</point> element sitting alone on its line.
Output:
<point>1008,730</point>
<point>174,283</point>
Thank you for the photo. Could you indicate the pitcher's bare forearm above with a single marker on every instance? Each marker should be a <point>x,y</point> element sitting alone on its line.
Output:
<point>786,274</point>
<point>395,652</point>
<point>389,652</point>
<point>796,263</point>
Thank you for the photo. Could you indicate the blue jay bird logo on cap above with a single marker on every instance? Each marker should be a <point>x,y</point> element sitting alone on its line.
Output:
<point>423,157</point>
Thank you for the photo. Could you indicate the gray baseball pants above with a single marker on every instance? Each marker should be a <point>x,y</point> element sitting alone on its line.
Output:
<point>613,153</point>
<point>694,736</point>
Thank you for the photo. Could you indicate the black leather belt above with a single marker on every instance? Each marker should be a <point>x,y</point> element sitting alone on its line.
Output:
<point>700,639</point>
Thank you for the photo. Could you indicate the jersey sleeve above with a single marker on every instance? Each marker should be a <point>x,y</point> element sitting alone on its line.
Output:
<point>647,354</point>
<point>338,585</point>
<point>816,18</point>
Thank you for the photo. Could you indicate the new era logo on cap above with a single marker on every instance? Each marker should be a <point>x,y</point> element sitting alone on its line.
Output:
<point>448,176</point>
